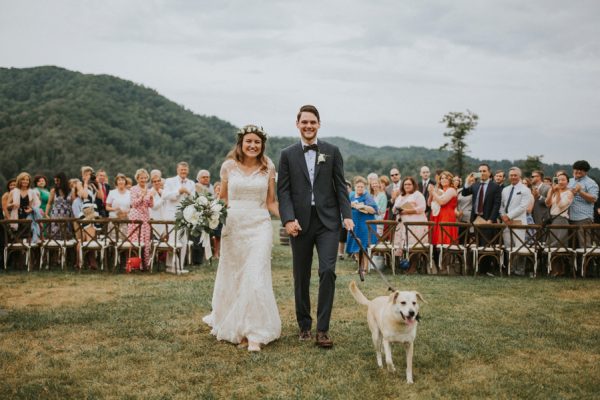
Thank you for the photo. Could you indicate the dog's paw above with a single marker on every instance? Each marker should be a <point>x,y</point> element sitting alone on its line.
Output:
<point>391,368</point>
<point>409,381</point>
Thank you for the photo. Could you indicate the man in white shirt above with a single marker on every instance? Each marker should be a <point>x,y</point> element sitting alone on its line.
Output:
<point>513,208</point>
<point>176,189</point>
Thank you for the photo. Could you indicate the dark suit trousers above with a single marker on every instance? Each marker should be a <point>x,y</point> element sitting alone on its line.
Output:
<point>303,245</point>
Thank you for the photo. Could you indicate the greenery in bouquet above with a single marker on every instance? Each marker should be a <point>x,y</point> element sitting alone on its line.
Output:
<point>200,213</point>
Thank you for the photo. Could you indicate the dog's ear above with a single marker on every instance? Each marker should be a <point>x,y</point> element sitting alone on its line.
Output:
<point>394,296</point>
<point>420,297</point>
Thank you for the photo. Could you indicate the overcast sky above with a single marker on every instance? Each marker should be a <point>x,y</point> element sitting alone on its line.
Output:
<point>380,72</point>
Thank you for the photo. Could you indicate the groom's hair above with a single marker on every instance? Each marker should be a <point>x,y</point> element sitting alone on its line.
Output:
<point>310,109</point>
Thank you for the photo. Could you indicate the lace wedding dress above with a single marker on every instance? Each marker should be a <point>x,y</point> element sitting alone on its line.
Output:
<point>243,303</point>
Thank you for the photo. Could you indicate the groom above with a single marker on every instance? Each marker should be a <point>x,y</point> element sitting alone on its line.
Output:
<point>312,202</point>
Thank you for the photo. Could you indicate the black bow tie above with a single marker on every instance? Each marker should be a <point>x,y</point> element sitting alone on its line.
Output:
<point>314,147</point>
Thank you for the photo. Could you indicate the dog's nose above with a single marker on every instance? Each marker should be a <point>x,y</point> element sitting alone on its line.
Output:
<point>411,313</point>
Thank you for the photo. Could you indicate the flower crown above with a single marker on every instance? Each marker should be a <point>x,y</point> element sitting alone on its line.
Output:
<point>252,129</point>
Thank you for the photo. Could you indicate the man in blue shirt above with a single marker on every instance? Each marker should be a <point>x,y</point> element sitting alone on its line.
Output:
<point>585,191</point>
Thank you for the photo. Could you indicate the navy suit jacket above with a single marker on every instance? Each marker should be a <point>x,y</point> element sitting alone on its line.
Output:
<point>491,201</point>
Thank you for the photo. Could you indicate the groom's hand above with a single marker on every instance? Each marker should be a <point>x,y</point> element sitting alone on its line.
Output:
<point>293,228</point>
<point>348,224</point>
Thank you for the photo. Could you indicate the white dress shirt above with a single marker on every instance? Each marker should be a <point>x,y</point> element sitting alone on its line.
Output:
<point>310,157</point>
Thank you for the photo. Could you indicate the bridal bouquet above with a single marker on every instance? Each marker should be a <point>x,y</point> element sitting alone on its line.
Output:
<point>199,215</point>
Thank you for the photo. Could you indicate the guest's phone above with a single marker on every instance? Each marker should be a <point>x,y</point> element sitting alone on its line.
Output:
<point>555,180</point>
<point>477,175</point>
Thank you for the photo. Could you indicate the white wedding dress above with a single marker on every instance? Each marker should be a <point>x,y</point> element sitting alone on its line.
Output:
<point>243,303</point>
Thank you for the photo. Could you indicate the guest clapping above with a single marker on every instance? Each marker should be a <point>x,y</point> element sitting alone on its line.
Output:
<point>443,199</point>
<point>141,202</point>
<point>118,201</point>
<point>559,200</point>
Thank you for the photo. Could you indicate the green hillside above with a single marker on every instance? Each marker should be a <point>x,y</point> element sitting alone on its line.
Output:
<point>53,120</point>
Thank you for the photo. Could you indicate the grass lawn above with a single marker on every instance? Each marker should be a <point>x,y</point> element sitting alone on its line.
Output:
<point>102,335</point>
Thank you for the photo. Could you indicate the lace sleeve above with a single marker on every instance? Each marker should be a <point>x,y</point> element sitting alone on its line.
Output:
<point>226,168</point>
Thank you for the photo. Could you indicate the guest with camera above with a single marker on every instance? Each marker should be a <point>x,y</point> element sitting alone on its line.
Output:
<point>559,200</point>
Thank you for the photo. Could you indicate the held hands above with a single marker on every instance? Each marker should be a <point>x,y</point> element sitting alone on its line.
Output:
<point>293,228</point>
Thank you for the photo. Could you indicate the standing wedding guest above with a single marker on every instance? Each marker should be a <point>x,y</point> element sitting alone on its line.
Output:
<point>585,191</point>
<point>539,191</point>
<point>59,203</point>
<point>464,204</point>
<point>128,183</point>
<point>244,309</point>
<point>88,189</point>
<point>76,202</point>
<point>156,211</point>
<point>558,200</point>
<point>10,185</point>
<point>22,198</point>
<point>424,186</point>
<point>443,199</point>
<point>528,184</point>
<point>203,185</point>
<point>364,208</point>
<point>176,189</point>
<point>499,177</point>
<point>118,201</point>
<point>375,190</point>
<point>516,198</point>
<point>40,183</point>
<point>103,190</point>
<point>410,206</point>
<point>141,202</point>
<point>392,190</point>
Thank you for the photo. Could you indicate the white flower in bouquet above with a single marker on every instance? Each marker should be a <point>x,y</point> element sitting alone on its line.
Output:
<point>188,213</point>
<point>196,218</point>
<point>213,224</point>
<point>216,207</point>
<point>202,200</point>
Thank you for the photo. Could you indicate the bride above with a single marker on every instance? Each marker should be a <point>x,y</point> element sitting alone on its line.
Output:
<point>243,304</point>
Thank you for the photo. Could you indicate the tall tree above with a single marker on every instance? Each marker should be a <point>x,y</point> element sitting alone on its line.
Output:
<point>459,125</point>
<point>531,164</point>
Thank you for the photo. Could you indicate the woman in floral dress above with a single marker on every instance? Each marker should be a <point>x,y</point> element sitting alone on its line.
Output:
<point>59,203</point>
<point>141,200</point>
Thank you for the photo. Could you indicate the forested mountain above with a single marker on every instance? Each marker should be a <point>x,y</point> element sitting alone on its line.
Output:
<point>53,120</point>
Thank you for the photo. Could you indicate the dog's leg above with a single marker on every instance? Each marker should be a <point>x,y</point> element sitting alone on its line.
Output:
<point>376,336</point>
<point>388,356</point>
<point>409,346</point>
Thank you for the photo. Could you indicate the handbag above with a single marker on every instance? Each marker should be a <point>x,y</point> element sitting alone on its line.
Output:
<point>133,263</point>
<point>548,220</point>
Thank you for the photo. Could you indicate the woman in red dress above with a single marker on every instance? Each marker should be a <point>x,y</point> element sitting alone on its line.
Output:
<point>443,199</point>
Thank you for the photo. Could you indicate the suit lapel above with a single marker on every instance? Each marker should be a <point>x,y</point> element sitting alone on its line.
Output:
<point>302,161</point>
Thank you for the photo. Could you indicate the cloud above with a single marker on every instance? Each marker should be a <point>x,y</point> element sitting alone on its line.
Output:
<point>529,69</point>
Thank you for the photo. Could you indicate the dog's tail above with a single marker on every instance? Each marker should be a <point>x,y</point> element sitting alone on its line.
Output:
<point>357,294</point>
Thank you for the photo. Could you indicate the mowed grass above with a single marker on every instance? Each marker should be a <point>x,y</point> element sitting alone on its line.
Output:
<point>102,335</point>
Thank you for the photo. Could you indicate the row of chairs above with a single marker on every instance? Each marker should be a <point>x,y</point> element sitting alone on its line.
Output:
<point>109,238</point>
<point>488,240</point>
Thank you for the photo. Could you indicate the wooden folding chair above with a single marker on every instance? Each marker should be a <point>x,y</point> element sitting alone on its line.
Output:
<point>58,237</point>
<point>91,235</point>
<point>384,242</point>
<point>130,242</point>
<point>418,243</point>
<point>560,240</point>
<point>165,239</point>
<point>17,239</point>
<point>488,243</point>
<point>591,245</point>
<point>524,243</point>
<point>458,246</point>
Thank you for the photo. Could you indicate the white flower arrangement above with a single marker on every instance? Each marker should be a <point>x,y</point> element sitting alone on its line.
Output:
<point>200,213</point>
<point>322,158</point>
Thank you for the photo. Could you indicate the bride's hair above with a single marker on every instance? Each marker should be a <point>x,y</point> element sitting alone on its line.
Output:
<point>238,155</point>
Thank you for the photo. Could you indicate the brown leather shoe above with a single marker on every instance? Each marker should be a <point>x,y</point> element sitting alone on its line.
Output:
<point>305,335</point>
<point>323,340</point>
